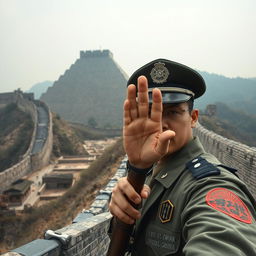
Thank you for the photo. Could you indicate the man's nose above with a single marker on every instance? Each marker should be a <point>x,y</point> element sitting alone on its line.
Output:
<point>165,125</point>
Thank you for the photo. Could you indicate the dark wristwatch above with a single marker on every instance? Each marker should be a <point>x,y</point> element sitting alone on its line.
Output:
<point>145,171</point>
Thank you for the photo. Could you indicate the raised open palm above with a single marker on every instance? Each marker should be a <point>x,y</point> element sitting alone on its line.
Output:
<point>144,141</point>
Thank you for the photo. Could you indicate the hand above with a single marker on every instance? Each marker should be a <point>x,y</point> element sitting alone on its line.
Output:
<point>144,141</point>
<point>120,206</point>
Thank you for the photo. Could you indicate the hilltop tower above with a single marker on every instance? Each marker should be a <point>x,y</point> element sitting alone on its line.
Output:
<point>93,87</point>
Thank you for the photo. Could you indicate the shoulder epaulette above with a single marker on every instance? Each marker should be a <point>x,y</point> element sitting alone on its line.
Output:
<point>201,168</point>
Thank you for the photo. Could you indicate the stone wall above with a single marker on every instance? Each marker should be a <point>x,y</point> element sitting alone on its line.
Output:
<point>29,162</point>
<point>231,153</point>
<point>42,158</point>
<point>29,107</point>
<point>88,233</point>
<point>78,239</point>
<point>12,97</point>
<point>24,166</point>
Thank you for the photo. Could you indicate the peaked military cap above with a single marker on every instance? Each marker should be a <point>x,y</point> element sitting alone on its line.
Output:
<point>177,82</point>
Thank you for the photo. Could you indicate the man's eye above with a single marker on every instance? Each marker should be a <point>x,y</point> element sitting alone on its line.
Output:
<point>172,112</point>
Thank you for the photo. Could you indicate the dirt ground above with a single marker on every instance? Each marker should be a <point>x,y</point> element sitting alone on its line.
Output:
<point>65,215</point>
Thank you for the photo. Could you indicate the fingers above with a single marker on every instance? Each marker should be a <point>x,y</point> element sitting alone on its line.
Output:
<point>120,206</point>
<point>143,96</point>
<point>127,116</point>
<point>116,211</point>
<point>138,108</point>
<point>164,141</point>
<point>131,96</point>
<point>157,105</point>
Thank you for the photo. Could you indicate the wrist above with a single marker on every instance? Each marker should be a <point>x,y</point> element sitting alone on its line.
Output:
<point>143,171</point>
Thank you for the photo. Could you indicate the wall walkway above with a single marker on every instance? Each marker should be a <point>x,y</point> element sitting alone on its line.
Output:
<point>39,151</point>
<point>231,153</point>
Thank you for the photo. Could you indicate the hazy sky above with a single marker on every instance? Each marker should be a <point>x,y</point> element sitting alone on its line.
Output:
<point>40,39</point>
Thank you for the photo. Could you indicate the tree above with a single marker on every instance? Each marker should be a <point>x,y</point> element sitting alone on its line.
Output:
<point>92,122</point>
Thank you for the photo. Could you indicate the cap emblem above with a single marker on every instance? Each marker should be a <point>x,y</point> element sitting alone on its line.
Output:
<point>159,73</point>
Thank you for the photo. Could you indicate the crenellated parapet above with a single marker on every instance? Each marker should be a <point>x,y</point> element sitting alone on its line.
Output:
<point>14,97</point>
<point>231,153</point>
<point>96,53</point>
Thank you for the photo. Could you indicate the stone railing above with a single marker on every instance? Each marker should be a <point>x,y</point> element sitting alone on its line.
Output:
<point>231,153</point>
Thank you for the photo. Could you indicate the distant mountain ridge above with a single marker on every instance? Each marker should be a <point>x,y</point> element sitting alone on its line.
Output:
<point>237,92</point>
<point>39,88</point>
<point>232,124</point>
<point>94,87</point>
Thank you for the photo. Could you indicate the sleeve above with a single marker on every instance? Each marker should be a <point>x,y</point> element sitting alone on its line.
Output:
<point>218,219</point>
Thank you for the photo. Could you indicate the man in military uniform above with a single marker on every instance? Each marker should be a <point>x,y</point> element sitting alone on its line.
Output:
<point>193,204</point>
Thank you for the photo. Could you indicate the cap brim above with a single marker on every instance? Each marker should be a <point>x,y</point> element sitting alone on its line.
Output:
<point>172,97</point>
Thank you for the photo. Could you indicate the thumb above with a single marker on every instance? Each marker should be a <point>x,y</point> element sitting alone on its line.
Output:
<point>145,191</point>
<point>164,141</point>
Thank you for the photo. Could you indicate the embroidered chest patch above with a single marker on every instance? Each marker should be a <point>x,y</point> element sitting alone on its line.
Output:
<point>165,211</point>
<point>225,201</point>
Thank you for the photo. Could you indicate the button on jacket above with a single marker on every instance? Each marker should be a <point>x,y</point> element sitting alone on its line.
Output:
<point>190,214</point>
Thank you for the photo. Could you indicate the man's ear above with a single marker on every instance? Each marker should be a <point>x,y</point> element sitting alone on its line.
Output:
<point>194,115</point>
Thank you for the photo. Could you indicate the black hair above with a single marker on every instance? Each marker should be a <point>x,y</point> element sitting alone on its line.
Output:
<point>190,104</point>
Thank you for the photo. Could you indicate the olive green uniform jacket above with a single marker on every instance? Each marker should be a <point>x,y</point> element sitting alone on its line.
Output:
<point>193,213</point>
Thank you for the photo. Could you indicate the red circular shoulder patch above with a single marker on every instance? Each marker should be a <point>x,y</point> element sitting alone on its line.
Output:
<point>225,201</point>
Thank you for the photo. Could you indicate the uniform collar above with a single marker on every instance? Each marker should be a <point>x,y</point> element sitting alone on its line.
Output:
<point>176,163</point>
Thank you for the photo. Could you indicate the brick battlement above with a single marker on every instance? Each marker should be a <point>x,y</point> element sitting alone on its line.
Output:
<point>96,53</point>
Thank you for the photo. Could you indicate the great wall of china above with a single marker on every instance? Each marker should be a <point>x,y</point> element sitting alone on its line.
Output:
<point>38,153</point>
<point>88,233</point>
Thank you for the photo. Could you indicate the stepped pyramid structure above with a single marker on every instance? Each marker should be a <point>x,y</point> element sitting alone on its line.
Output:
<point>93,87</point>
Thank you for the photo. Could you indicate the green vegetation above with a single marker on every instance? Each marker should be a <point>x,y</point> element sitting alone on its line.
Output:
<point>92,122</point>
<point>16,128</point>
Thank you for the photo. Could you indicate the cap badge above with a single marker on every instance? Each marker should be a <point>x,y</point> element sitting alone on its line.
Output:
<point>165,211</point>
<point>159,73</point>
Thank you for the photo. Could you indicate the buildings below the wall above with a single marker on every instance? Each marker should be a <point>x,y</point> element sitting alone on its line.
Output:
<point>58,180</point>
<point>18,192</point>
